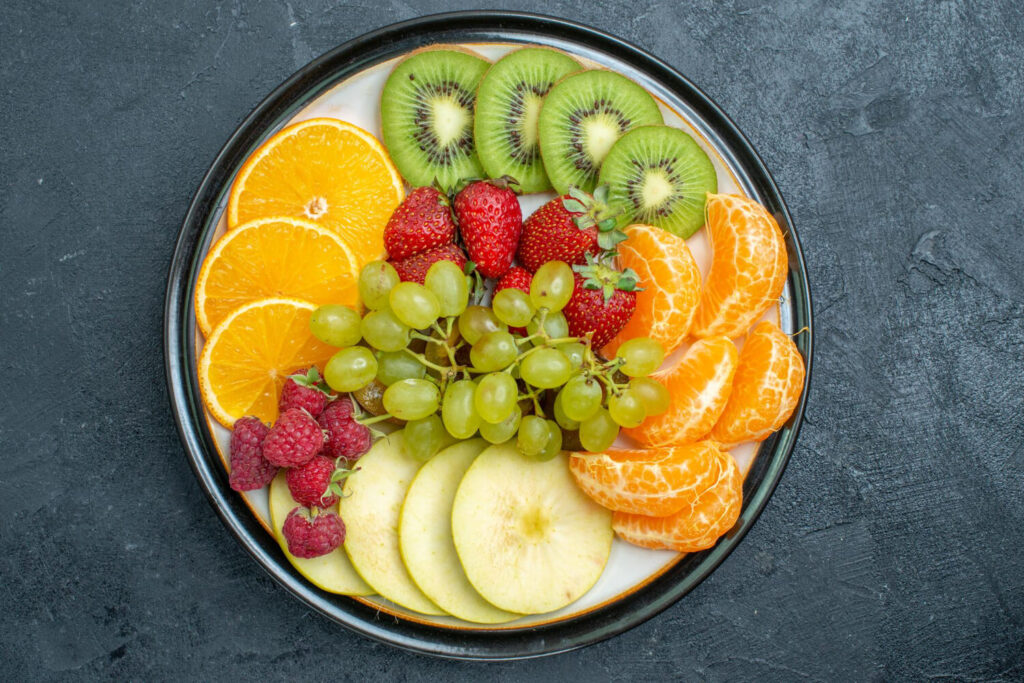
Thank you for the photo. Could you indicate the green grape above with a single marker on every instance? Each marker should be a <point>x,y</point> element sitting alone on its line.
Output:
<point>385,332</point>
<point>643,356</point>
<point>448,283</point>
<point>581,397</point>
<point>598,432</point>
<point>561,418</point>
<point>458,410</point>
<point>653,394</point>
<point>414,304</point>
<point>534,434</point>
<point>627,409</point>
<point>494,351</point>
<point>554,325</point>
<point>552,285</point>
<point>375,282</point>
<point>395,365</point>
<point>554,445</point>
<point>500,432</point>
<point>545,368</point>
<point>496,396</point>
<point>412,399</point>
<point>336,325</point>
<point>575,352</point>
<point>423,437</point>
<point>350,369</point>
<point>512,307</point>
<point>476,321</point>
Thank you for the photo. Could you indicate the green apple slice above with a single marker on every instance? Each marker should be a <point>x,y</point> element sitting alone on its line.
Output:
<point>425,536</point>
<point>370,509</point>
<point>333,572</point>
<point>529,540</point>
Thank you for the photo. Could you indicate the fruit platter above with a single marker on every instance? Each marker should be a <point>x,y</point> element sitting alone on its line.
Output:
<point>488,335</point>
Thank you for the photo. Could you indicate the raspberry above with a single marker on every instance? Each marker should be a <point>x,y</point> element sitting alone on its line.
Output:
<point>293,440</point>
<point>346,438</point>
<point>304,390</point>
<point>312,536</point>
<point>249,469</point>
<point>309,483</point>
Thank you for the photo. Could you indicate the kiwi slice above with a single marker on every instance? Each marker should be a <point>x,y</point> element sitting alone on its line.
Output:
<point>582,117</point>
<point>426,113</point>
<point>660,176</point>
<point>507,108</point>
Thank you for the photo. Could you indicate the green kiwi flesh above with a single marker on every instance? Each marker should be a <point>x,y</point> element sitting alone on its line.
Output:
<point>426,112</point>
<point>508,105</point>
<point>582,117</point>
<point>661,177</point>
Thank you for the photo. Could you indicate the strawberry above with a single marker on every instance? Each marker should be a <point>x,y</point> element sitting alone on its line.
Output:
<point>568,228</point>
<point>603,300</point>
<point>490,222</point>
<point>420,223</point>
<point>415,267</point>
<point>515,278</point>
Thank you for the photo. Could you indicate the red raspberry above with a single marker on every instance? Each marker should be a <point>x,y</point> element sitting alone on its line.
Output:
<point>293,440</point>
<point>346,438</point>
<point>312,536</point>
<point>309,483</point>
<point>249,469</point>
<point>304,390</point>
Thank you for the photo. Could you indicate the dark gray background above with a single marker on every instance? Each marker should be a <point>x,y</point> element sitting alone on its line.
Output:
<point>893,546</point>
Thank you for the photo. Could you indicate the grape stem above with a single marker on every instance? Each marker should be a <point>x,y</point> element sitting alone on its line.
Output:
<point>366,422</point>
<point>423,360</point>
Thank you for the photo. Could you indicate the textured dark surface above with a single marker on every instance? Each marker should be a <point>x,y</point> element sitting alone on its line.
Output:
<point>893,547</point>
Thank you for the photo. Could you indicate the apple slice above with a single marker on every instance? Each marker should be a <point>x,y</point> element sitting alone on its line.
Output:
<point>333,572</point>
<point>529,540</point>
<point>370,509</point>
<point>425,536</point>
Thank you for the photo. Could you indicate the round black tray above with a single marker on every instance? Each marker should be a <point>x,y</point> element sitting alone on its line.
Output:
<point>179,333</point>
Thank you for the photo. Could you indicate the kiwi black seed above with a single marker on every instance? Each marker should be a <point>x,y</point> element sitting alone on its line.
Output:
<point>661,177</point>
<point>508,106</point>
<point>426,112</point>
<point>582,117</point>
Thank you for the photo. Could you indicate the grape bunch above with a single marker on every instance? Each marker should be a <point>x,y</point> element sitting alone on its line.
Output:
<point>445,363</point>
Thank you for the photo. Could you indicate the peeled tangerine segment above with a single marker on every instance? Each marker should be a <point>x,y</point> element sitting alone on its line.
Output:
<point>671,286</point>
<point>657,481</point>
<point>748,266</point>
<point>425,536</point>
<point>766,389</point>
<point>529,540</point>
<point>332,572</point>
<point>370,509</point>
<point>699,525</point>
<point>699,385</point>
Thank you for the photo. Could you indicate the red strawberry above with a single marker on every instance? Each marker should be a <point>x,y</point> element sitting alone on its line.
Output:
<point>568,228</point>
<point>602,302</point>
<point>421,222</point>
<point>312,536</point>
<point>490,222</point>
<point>293,440</point>
<point>306,390</point>
<point>346,438</point>
<point>414,268</point>
<point>249,469</point>
<point>317,483</point>
<point>515,278</point>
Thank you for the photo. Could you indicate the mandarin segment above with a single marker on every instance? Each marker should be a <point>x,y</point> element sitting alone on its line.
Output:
<point>655,482</point>
<point>766,389</point>
<point>671,286</point>
<point>697,526</point>
<point>699,385</point>
<point>748,266</point>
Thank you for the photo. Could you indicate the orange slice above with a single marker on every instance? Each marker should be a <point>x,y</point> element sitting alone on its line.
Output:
<point>766,389</point>
<point>247,358</point>
<point>654,482</point>
<point>748,266</point>
<point>274,257</point>
<point>699,524</point>
<point>699,385</point>
<point>671,287</point>
<point>327,171</point>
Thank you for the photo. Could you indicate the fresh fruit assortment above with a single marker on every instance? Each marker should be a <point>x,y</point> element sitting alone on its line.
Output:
<point>433,387</point>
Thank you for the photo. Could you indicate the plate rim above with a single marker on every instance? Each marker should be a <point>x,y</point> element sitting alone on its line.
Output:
<point>179,358</point>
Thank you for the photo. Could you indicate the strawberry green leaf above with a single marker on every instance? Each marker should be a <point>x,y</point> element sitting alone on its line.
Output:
<point>574,206</point>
